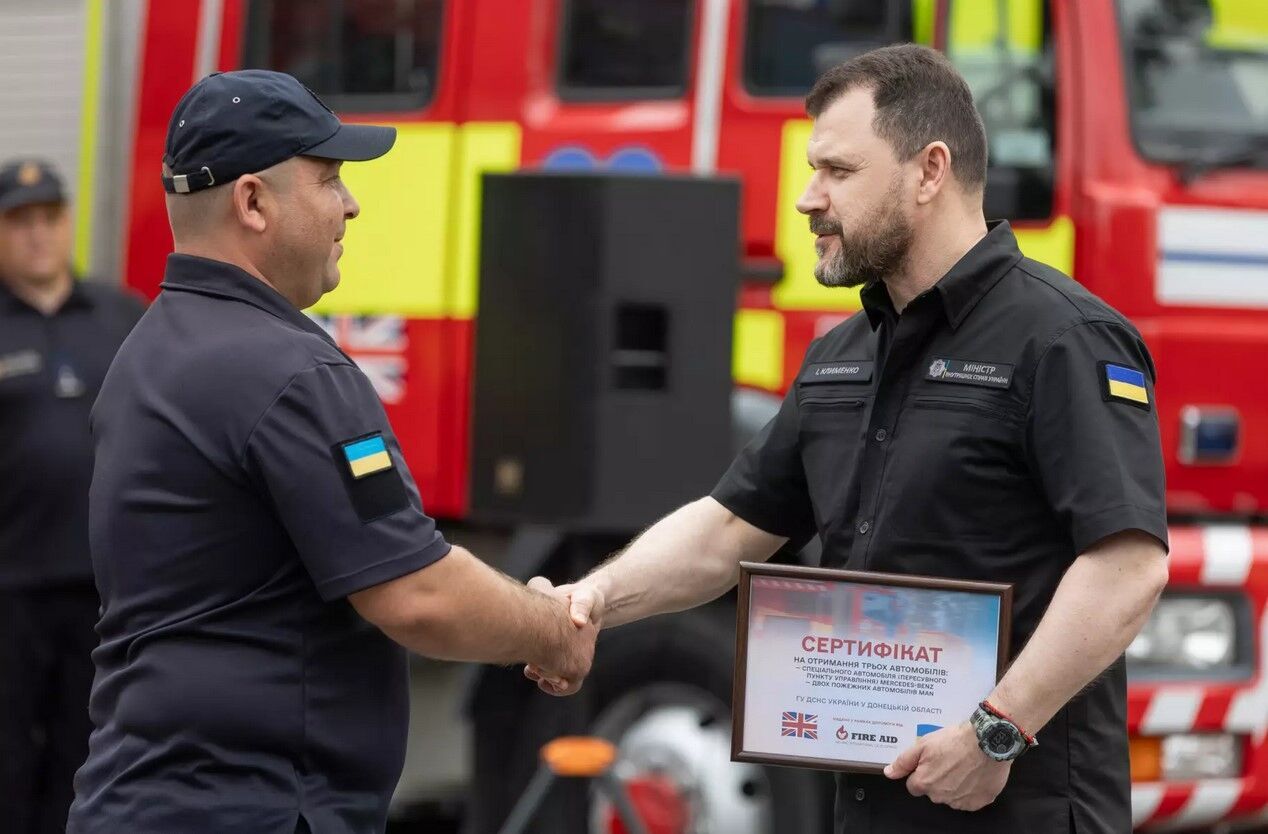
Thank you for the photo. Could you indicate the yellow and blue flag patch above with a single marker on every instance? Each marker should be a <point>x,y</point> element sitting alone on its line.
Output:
<point>1124,384</point>
<point>366,456</point>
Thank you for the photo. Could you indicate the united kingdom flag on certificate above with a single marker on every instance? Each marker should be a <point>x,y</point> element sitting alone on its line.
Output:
<point>800,725</point>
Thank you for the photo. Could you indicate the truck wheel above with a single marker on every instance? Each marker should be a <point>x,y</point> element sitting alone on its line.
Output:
<point>661,690</point>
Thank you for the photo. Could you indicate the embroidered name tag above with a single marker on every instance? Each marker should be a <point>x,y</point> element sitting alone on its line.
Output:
<point>21,363</point>
<point>989,374</point>
<point>845,370</point>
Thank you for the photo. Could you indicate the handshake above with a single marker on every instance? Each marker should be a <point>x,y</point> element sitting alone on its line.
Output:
<point>580,605</point>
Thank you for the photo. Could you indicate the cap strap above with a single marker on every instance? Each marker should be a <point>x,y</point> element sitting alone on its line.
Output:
<point>185,183</point>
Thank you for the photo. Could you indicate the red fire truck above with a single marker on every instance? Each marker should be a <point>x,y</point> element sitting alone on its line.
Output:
<point>1128,142</point>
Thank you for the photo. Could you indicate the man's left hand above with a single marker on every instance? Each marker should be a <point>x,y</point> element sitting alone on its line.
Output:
<point>948,767</point>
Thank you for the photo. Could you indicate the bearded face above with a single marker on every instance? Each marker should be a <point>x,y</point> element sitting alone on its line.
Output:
<point>875,246</point>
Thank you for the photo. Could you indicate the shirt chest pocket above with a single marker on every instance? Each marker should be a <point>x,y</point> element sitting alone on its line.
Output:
<point>826,403</point>
<point>832,420</point>
<point>961,461</point>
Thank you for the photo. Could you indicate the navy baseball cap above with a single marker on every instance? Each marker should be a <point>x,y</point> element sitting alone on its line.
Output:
<point>235,123</point>
<point>26,182</point>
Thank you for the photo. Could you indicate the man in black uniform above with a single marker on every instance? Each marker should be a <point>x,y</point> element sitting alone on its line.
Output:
<point>256,536</point>
<point>57,336</point>
<point>983,417</point>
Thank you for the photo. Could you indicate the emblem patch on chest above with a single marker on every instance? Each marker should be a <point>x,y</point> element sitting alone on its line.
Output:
<point>844,370</point>
<point>989,374</point>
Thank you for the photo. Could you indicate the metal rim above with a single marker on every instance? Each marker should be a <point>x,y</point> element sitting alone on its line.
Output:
<point>682,734</point>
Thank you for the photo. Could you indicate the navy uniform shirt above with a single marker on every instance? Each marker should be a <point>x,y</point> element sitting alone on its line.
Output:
<point>246,482</point>
<point>51,367</point>
<point>976,436</point>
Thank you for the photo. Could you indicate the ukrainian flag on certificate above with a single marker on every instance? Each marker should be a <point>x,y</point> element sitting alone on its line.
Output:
<point>367,456</point>
<point>1126,384</point>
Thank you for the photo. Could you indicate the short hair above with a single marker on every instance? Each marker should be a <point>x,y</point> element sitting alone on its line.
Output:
<point>190,215</point>
<point>920,98</point>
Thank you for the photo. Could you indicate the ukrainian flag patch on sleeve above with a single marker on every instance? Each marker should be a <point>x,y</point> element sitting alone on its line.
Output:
<point>374,482</point>
<point>366,455</point>
<point>1123,384</point>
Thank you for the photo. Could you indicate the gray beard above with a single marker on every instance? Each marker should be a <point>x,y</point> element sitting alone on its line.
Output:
<point>869,259</point>
<point>836,273</point>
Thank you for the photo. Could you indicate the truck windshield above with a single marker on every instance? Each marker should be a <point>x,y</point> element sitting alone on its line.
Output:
<point>1197,79</point>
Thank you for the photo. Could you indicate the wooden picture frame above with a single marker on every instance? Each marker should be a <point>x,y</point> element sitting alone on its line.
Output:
<point>850,590</point>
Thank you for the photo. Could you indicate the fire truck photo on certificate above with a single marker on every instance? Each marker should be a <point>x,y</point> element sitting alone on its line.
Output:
<point>843,670</point>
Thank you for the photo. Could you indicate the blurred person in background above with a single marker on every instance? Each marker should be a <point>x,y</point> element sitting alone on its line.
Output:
<point>57,337</point>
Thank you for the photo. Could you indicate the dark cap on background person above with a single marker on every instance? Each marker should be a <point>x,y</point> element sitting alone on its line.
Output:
<point>242,122</point>
<point>25,182</point>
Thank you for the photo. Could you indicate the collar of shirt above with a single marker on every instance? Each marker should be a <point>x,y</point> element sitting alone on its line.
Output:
<point>964,285</point>
<point>189,273</point>
<point>79,298</point>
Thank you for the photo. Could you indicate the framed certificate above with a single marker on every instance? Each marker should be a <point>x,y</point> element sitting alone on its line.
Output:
<point>842,670</point>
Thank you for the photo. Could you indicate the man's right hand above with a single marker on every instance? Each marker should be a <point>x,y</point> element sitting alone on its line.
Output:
<point>459,608</point>
<point>585,601</point>
<point>585,610</point>
<point>566,671</point>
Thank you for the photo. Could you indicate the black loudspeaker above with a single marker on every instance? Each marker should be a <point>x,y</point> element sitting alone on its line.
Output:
<point>603,346</point>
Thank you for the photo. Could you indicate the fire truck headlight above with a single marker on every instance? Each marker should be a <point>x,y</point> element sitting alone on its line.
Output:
<point>1187,634</point>
<point>1189,757</point>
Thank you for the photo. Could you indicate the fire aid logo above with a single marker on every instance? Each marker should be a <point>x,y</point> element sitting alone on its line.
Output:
<point>938,368</point>
<point>842,733</point>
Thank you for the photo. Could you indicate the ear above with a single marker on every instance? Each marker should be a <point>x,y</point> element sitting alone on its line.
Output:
<point>935,171</point>
<point>251,202</point>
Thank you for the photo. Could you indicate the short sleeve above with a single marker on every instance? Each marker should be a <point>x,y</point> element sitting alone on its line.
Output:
<point>766,484</point>
<point>1093,434</point>
<point>328,460</point>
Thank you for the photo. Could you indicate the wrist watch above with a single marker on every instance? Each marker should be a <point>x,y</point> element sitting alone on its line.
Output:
<point>998,736</point>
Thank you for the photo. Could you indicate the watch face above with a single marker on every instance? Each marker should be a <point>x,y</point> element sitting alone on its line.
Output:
<point>1000,740</point>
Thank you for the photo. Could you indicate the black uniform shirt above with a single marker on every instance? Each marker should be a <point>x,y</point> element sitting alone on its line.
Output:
<point>51,367</point>
<point>975,436</point>
<point>246,482</point>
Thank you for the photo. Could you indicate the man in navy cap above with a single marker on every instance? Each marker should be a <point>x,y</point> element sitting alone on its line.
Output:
<point>258,541</point>
<point>57,336</point>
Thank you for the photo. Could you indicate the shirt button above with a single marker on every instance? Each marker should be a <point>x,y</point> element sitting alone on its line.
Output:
<point>860,795</point>
<point>881,434</point>
<point>864,527</point>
